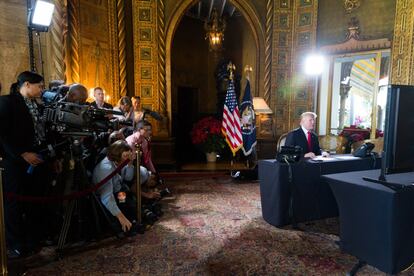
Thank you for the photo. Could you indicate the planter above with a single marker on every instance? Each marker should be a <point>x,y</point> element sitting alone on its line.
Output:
<point>211,156</point>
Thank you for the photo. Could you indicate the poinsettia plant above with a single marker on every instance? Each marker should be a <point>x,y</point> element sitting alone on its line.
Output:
<point>206,134</point>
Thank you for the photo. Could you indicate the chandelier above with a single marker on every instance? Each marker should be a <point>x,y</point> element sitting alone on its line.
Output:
<point>215,31</point>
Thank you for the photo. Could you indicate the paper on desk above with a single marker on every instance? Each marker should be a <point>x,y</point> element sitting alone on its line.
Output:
<point>321,158</point>
<point>346,157</point>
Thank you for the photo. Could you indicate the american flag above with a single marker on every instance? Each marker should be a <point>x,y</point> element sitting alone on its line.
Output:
<point>231,127</point>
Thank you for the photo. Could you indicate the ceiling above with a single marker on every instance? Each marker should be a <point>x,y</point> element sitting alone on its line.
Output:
<point>203,9</point>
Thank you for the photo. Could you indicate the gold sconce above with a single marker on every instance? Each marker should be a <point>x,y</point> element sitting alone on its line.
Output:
<point>215,31</point>
<point>264,123</point>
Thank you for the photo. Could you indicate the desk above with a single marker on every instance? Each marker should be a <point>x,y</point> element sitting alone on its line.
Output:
<point>313,198</point>
<point>376,223</point>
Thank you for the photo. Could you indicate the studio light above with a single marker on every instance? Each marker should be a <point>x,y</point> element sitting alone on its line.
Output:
<point>41,16</point>
<point>314,64</point>
<point>38,20</point>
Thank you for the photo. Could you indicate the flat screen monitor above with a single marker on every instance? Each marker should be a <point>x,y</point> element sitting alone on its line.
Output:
<point>399,129</point>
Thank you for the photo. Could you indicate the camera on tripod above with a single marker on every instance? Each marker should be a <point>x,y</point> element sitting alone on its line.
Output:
<point>65,116</point>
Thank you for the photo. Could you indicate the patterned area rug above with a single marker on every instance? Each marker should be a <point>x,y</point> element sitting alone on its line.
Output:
<point>213,226</point>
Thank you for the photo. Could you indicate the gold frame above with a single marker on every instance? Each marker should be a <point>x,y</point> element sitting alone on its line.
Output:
<point>378,57</point>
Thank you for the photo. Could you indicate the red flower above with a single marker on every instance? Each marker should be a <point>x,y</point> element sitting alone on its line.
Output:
<point>207,134</point>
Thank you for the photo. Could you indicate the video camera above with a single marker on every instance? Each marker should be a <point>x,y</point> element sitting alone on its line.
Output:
<point>55,94</point>
<point>65,116</point>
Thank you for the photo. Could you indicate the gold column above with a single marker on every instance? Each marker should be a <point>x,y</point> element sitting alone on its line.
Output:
<point>268,51</point>
<point>3,251</point>
<point>120,7</point>
<point>73,21</point>
<point>402,45</point>
<point>58,38</point>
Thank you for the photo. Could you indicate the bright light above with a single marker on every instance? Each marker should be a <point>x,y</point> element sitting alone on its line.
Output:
<point>43,13</point>
<point>314,65</point>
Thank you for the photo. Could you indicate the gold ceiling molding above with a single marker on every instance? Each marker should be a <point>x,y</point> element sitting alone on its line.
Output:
<point>120,7</point>
<point>74,37</point>
<point>268,51</point>
<point>353,43</point>
<point>58,38</point>
<point>351,5</point>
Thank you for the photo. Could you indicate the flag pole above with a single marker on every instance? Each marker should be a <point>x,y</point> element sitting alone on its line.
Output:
<point>247,70</point>
<point>231,67</point>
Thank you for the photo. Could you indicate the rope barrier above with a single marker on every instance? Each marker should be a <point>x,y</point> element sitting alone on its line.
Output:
<point>74,195</point>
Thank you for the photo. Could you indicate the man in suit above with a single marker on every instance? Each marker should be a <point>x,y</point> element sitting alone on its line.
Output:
<point>305,137</point>
<point>99,96</point>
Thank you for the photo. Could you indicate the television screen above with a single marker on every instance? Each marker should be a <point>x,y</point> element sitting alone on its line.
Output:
<point>399,129</point>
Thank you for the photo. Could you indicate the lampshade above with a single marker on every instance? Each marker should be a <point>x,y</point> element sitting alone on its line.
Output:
<point>260,106</point>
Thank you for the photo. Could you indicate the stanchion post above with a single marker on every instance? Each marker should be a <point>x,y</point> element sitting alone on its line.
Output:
<point>138,183</point>
<point>2,231</point>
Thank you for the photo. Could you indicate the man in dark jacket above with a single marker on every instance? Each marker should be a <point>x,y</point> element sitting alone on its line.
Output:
<point>305,137</point>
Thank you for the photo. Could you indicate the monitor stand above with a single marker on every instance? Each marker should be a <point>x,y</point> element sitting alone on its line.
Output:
<point>382,178</point>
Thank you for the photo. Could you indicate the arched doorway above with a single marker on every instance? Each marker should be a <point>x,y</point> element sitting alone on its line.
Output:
<point>191,83</point>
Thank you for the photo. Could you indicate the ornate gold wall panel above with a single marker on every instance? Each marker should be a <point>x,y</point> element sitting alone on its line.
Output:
<point>402,48</point>
<point>93,45</point>
<point>147,53</point>
<point>294,37</point>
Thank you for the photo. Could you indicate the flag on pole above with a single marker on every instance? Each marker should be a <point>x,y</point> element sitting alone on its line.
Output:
<point>248,121</point>
<point>231,127</point>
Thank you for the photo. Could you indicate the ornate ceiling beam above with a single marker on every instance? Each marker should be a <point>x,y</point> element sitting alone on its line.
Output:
<point>222,8</point>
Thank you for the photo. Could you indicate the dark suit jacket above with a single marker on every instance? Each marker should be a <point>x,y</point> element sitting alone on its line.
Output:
<point>105,105</point>
<point>16,128</point>
<point>297,138</point>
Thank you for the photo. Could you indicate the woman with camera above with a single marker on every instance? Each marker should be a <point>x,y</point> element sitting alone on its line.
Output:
<point>115,194</point>
<point>22,133</point>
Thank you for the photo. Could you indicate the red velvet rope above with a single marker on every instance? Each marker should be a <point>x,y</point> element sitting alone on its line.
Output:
<point>74,195</point>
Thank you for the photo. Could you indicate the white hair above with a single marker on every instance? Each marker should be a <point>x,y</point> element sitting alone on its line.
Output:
<point>308,113</point>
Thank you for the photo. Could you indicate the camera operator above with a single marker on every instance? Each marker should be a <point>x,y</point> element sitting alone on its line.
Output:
<point>77,94</point>
<point>21,135</point>
<point>115,195</point>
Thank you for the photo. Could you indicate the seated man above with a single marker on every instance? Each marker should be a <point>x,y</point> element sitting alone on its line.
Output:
<point>304,136</point>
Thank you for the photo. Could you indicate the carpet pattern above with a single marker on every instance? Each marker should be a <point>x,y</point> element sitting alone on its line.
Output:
<point>213,226</point>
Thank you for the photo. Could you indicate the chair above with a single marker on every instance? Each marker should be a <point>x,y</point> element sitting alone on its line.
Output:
<point>281,142</point>
<point>332,143</point>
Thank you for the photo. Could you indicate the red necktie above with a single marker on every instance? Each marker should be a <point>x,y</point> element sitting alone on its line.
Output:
<point>309,142</point>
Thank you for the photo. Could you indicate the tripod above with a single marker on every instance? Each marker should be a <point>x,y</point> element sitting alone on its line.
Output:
<point>80,207</point>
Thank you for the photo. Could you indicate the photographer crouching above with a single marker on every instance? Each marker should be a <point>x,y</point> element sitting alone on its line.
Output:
<point>22,133</point>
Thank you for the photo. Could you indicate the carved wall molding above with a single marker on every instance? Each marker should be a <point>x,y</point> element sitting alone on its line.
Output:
<point>120,8</point>
<point>353,43</point>
<point>114,47</point>
<point>58,34</point>
<point>74,37</point>
<point>268,51</point>
<point>402,48</point>
<point>161,55</point>
<point>351,5</point>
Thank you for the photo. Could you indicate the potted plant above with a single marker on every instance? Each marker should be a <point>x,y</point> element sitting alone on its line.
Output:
<point>206,134</point>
